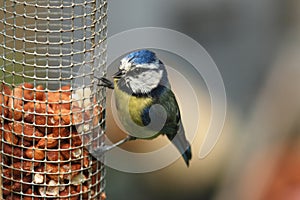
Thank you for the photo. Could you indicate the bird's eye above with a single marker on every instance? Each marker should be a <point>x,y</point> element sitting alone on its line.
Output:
<point>137,70</point>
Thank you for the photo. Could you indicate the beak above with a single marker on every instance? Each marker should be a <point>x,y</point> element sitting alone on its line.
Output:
<point>118,74</point>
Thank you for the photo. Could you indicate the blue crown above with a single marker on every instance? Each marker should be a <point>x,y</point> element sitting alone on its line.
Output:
<point>141,57</point>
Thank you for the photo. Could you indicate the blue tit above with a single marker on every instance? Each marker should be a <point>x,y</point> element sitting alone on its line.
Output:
<point>140,83</point>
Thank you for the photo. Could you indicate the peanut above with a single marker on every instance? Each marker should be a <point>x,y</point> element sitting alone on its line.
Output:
<point>59,100</point>
<point>65,193</point>
<point>3,110</point>
<point>77,115</point>
<point>97,111</point>
<point>26,130</point>
<point>35,153</point>
<point>53,172</point>
<point>25,166</point>
<point>70,171</point>
<point>30,195</point>
<point>38,178</point>
<point>4,99</point>
<point>23,185</point>
<point>28,91</point>
<point>66,153</point>
<point>103,196</point>
<point>13,197</point>
<point>39,94</point>
<point>7,174</point>
<point>84,191</point>
<point>6,189</point>
<point>74,116</point>
<point>15,104</point>
<point>37,113</point>
<point>76,139</point>
<point>10,150</point>
<point>60,131</point>
<point>66,89</point>
<point>24,143</point>
<point>54,156</point>
<point>49,142</point>
<point>46,135</point>
<point>86,160</point>
<point>52,189</point>
<point>8,135</point>
<point>71,152</point>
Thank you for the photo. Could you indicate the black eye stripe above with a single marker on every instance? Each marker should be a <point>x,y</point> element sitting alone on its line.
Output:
<point>130,59</point>
<point>138,70</point>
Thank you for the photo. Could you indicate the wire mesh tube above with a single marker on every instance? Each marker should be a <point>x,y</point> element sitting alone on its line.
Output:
<point>51,110</point>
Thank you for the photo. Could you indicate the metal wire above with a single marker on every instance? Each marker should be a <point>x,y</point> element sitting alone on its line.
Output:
<point>51,110</point>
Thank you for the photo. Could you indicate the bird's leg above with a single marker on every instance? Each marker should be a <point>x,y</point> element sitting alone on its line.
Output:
<point>105,148</point>
<point>105,82</point>
<point>128,138</point>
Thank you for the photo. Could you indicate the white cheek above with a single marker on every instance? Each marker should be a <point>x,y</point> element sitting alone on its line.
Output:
<point>153,78</point>
<point>125,66</point>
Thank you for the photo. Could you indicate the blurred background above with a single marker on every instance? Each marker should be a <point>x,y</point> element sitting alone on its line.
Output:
<point>256,46</point>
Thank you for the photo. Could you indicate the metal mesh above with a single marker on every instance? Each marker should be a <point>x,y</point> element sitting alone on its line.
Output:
<point>51,110</point>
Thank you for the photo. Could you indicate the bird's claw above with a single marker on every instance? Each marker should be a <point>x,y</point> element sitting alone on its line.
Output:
<point>105,82</point>
<point>100,151</point>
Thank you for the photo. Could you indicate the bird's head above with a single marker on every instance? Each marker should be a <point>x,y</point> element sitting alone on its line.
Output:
<point>140,72</point>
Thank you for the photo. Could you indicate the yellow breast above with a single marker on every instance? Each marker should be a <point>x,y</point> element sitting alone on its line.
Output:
<point>130,108</point>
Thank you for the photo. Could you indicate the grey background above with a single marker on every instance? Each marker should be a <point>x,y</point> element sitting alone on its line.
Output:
<point>242,36</point>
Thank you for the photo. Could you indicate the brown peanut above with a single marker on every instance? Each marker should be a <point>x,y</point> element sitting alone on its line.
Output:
<point>86,160</point>
<point>23,185</point>
<point>15,104</point>
<point>47,134</point>
<point>70,171</point>
<point>59,100</point>
<point>65,193</point>
<point>49,142</point>
<point>77,115</point>
<point>54,155</point>
<point>66,153</point>
<point>53,172</point>
<point>35,153</point>
<point>24,143</point>
<point>26,130</point>
<point>74,116</point>
<point>36,113</point>
<point>26,166</point>
<point>76,139</point>
<point>84,191</point>
<point>30,194</point>
<point>66,89</point>
<point>10,150</point>
<point>6,189</point>
<point>60,131</point>
<point>28,91</point>
<point>39,94</point>
<point>8,135</point>
<point>4,99</point>
<point>13,197</point>
<point>97,111</point>
<point>7,173</point>
<point>70,152</point>
<point>103,196</point>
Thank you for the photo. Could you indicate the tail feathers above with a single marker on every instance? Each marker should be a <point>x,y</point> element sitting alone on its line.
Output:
<point>181,143</point>
<point>187,156</point>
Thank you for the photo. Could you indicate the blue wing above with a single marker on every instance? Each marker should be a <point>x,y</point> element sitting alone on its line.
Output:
<point>173,127</point>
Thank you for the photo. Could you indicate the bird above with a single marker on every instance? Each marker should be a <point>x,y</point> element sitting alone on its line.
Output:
<point>140,83</point>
